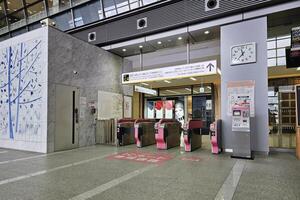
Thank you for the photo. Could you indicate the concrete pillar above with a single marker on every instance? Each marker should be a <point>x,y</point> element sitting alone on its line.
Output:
<point>240,33</point>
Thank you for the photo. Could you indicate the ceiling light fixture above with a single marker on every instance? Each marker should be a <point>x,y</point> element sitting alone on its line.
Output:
<point>159,42</point>
<point>188,89</point>
<point>124,50</point>
<point>298,68</point>
<point>141,46</point>
<point>206,32</point>
<point>179,38</point>
<point>192,78</point>
<point>166,81</point>
<point>145,84</point>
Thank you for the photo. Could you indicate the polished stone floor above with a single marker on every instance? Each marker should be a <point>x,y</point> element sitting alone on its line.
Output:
<point>103,173</point>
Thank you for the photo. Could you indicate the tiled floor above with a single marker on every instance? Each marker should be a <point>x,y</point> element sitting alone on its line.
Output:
<point>95,173</point>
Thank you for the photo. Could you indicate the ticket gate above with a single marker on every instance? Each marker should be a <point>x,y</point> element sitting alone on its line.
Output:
<point>192,134</point>
<point>144,132</point>
<point>215,137</point>
<point>167,133</point>
<point>125,131</point>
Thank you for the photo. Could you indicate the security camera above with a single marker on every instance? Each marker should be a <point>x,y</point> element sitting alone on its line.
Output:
<point>142,23</point>
<point>47,22</point>
<point>212,4</point>
<point>92,37</point>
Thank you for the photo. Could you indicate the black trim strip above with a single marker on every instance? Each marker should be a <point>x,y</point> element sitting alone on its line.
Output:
<point>73,119</point>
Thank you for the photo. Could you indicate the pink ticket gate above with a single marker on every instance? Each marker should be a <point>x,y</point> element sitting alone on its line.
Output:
<point>125,132</point>
<point>215,137</point>
<point>192,134</point>
<point>144,132</point>
<point>167,133</point>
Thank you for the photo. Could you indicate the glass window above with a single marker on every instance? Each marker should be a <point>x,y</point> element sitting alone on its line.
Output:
<point>135,4</point>
<point>284,43</point>
<point>14,5</point>
<point>28,2</point>
<point>280,52</point>
<point>64,21</point>
<point>272,62</point>
<point>17,19</point>
<point>271,53</point>
<point>146,2</point>
<point>36,12</point>
<point>122,6</point>
<point>88,13</point>
<point>56,6</point>
<point>3,23</point>
<point>109,8</point>
<point>1,9</point>
<point>271,44</point>
<point>281,61</point>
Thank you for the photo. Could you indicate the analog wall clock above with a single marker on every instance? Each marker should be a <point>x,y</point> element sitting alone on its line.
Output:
<point>243,53</point>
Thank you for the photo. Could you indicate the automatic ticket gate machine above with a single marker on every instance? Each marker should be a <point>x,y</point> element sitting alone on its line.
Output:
<point>144,132</point>
<point>192,134</point>
<point>125,132</point>
<point>167,133</point>
<point>215,137</point>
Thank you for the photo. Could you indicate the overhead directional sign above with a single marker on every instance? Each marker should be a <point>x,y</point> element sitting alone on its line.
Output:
<point>145,90</point>
<point>180,71</point>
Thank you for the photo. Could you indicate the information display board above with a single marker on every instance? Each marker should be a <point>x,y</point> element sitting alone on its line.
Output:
<point>240,92</point>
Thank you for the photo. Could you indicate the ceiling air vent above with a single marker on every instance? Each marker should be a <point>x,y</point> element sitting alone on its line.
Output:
<point>142,23</point>
<point>212,4</point>
<point>92,37</point>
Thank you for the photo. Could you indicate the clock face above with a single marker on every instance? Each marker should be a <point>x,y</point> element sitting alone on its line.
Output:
<point>242,54</point>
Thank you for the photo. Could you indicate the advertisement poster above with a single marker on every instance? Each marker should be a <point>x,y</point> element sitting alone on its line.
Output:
<point>159,109</point>
<point>240,92</point>
<point>150,110</point>
<point>127,107</point>
<point>295,38</point>
<point>169,109</point>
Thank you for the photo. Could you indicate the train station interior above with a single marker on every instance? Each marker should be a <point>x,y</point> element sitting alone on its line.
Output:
<point>149,99</point>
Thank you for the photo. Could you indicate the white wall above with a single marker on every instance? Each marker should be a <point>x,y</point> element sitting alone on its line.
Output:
<point>23,92</point>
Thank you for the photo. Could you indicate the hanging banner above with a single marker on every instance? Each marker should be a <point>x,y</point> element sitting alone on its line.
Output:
<point>180,71</point>
<point>239,92</point>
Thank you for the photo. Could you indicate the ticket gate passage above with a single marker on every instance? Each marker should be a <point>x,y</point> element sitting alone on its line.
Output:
<point>125,132</point>
<point>144,132</point>
<point>215,136</point>
<point>192,134</point>
<point>167,133</point>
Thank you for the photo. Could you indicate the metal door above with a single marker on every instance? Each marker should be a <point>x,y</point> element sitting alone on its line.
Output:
<point>67,117</point>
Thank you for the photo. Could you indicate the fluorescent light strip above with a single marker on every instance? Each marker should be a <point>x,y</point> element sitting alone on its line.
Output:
<point>145,84</point>
<point>166,81</point>
<point>192,78</point>
<point>188,89</point>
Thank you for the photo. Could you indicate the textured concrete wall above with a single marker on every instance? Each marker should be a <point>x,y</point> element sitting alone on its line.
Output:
<point>240,33</point>
<point>97,70</point>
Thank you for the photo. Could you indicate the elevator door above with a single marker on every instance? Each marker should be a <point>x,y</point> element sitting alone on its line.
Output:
<point>66,123</point>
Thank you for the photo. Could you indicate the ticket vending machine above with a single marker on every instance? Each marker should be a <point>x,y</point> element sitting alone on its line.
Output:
<point>215,137</point>
<point>241,131</point>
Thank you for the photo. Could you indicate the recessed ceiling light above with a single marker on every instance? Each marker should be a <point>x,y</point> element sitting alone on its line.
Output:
<point>8,2</point>
<point>206,32</point>
<point>179,38</point>
<point>159,42</point>
<point>298,68</point>
<point>192,78</point>
<point>169,40</point>
<point>166,81</point>
<point>188,89</point>
<point>124,50</point>
<point>145,84</point>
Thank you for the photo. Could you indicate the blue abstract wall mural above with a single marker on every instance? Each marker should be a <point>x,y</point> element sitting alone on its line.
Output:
<point>22,70</point>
